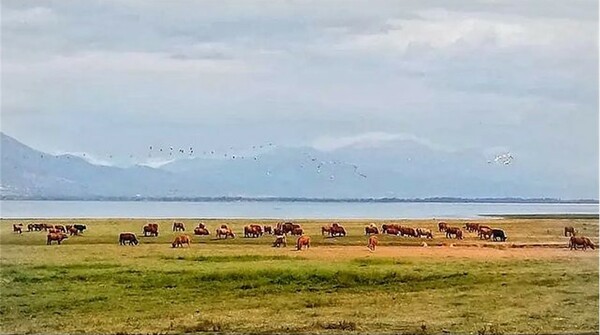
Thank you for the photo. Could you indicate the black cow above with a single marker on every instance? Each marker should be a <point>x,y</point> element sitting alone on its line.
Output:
<point>498,235</point>
<point>80,227</point>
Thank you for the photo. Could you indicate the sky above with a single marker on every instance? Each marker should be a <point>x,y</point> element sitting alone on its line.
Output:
<point>110,78</point>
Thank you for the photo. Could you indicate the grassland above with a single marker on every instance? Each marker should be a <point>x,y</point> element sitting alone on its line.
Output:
<point>530,284</point>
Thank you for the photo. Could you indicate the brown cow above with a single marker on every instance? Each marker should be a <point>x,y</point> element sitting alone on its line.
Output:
<point>287,227</point>
<point>392,231</point>
<point>325,230</point>
<point>226,232</point>
<point>297,231</point>
<point>472,227</point>
<point>372,244</point>
<point>180,241</point>
<point>128,238</point>
<point>569,231</point>
<point>73,231</point>
<point>268,230</point>
<point>371,230</point>
<point>201,225</point>
<point>337,230</point>
<point>252,231</point>
<point>178,226</point>
<point>58,237</point>
<point>454,231</point>
<point>279,241</point>
<point>582,241</point>
<point>408,231</point>
<point>60,228</point>
<point>442,226</point>
<point>151,229</point>
<point>303,241</point>
<point>201,231</point>
<point>386,226</point>
<point>485,232</point>
<point>18,228</point>
<point>424,232</point>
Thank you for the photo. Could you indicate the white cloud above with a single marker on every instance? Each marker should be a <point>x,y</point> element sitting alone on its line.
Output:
<point>441,29</point>
<point>28,18</point>
<point>124,62</point>
<point>372,140</point>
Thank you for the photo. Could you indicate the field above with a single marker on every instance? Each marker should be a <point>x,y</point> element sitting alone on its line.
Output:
<point>530,284</point>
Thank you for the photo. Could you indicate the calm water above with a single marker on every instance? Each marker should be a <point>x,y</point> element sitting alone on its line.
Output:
<point>279,210</point>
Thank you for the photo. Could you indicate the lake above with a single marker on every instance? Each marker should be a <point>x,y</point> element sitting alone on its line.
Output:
<point>276,210</point>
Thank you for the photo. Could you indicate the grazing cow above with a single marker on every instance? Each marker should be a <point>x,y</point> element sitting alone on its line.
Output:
<point>498,235</point>
<point>325,230</point>
<point>58,237</point>
<point>303,241</point>
<point>334,230</point>
<point>128,238</point>
<point>225,232</point>
<point>80,227</point>
<point>454,231</point>
<point>180,241</point>
<point>178,226</point>
<point>151,229</point>
<point>386,226</point>
<point>287,227</point>
<point>485,232</point>
<point>35,227</point>
<point>392,231</point>
<point>442,226</point>
<point>569,231</point>
<point>268,230</point>
<point>201,231</point>
<point>297,231</point>
<point>472,227</point>
<point>73,231</point>
<point>424,232</point>
<point>408,231</point>
<point>371,230</point>
<point>47,226</point>
<point>252,231</point>
<point>60,228</point>
<point>582,241</point>
<point>372,244</point>
<point>18,228</point>
<point>279,241</point>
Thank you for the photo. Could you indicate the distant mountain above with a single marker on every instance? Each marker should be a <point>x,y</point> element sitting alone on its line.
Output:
<point>405,170</point>
<point>28,172</point>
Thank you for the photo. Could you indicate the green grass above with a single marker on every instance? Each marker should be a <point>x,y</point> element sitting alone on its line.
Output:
<point>88,285</point>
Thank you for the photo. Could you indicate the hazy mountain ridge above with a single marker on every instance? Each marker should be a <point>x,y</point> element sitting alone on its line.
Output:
<point>405,171</point>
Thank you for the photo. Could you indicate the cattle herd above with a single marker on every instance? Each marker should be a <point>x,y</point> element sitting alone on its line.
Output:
<point>58,233</point>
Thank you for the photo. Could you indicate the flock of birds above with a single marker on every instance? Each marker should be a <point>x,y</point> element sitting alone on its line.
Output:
<point>309,161</point>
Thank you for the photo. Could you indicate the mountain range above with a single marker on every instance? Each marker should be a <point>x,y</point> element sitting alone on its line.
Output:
<point>407,170</point>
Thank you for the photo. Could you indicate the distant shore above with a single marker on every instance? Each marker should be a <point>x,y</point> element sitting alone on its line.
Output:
<point>544,216</point>
<point>307,199</point>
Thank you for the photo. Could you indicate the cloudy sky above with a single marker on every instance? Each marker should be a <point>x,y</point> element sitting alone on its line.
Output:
<point>112,77</point>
